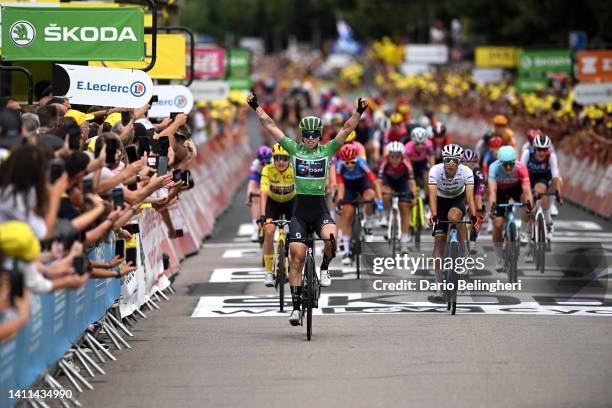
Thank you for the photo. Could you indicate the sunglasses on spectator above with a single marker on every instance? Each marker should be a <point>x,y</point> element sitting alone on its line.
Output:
<point>507,164</point>
<point>281,158</point>
<point>450,160</point>
<point>311,134</point>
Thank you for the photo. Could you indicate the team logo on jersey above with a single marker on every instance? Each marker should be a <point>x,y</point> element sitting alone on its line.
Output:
<point>310,168</point>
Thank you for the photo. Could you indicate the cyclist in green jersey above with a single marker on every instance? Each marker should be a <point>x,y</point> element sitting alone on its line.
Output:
<point>311,162</point>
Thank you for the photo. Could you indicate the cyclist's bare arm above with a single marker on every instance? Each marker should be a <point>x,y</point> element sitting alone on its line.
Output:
<point>268,124</point>
<point>492,193</point>
<point>263,199</point>
<point>412,186</point>
<point>433,198</point>
<point>352,122</point>
<point>469,192</point>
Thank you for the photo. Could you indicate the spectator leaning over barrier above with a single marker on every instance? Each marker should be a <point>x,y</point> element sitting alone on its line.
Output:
<point>71,177</point>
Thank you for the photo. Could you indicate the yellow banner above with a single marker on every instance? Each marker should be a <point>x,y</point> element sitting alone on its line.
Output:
<point>170,63</point>
<point>500,57</point>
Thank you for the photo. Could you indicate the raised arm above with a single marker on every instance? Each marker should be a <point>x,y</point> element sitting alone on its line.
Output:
<point>266,121</point>
<point>352,122</point>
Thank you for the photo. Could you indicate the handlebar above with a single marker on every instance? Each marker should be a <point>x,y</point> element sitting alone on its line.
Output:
<point>555,193</point>
<point>279,223</point>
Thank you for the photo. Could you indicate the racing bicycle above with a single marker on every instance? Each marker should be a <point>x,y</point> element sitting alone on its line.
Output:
<point>311,288</point>
<point>511,239</point>
<point>417,220</point>
<point>541,240</point>
<point>280,262</point>
<point>451,276</point>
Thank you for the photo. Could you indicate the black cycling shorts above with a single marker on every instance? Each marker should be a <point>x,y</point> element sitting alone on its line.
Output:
<point>274,209</point>
<point>310,214</point>
<point>398,186</point>
<point>353,189</point>
<point>444,206</point>
<point>504,195</point>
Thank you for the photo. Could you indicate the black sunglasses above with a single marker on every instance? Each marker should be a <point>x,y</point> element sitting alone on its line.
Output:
<point>281,158</point>
<point>311,134</point>
<point>507,164</point>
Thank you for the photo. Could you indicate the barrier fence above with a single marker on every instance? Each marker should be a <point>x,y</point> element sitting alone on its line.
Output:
<point>58,320</point>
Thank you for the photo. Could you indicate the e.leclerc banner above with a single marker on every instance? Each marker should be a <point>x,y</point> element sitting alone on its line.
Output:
<point>72,34</point>
<point>117,87</point>
<point>545,61</point>
<point>171,98</point>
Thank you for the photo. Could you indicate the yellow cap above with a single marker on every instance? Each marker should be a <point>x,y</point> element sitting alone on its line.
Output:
<point>113,118</point>
<point>396,118</point>
<point>201,104</point>
<point>91,146</point>
<point>79,116</point>
<point>18,240</point>
<point>351,136</point>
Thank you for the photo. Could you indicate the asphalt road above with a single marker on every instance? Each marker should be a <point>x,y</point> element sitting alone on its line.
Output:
<point>220,341</point>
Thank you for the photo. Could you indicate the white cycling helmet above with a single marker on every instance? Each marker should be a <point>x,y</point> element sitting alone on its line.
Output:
<point>418,135</point>
<point>452,150</point>
<point>395,148</point>
<point>542,142</point>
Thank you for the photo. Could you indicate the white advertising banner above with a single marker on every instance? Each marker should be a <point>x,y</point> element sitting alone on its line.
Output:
<point>414,69</point>
<point>210,91</point>
<point>589,94</point>
<point>172,98</point>
<point>426,54</point>
<point>116,87</point>
<point>488,75</point>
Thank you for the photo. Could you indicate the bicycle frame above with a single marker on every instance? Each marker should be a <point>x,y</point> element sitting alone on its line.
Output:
<point>452,250</point>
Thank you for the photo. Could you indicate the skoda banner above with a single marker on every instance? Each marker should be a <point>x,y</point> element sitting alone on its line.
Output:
<point>171,98</point>
<point>72,34</point>
<point>116,87</point>
<point>545,61</point>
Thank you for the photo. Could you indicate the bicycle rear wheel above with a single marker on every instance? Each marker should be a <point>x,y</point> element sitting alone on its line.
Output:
<point>280,273</point>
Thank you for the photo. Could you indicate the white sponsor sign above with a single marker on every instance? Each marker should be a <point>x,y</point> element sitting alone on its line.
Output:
<point>588,94</point>
<point>116,87</point>
<point>172,98</point>
<point>356,303</point>
<point>427,54</point>
<point>414,69</point>
<point>488,75</point>
<point>210,90</point>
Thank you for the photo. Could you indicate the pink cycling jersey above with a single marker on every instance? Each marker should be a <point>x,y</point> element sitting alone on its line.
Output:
<point>411,153</point>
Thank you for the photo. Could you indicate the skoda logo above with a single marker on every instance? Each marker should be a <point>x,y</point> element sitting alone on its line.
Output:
<point>525,62</point>
<point>22,33</point>
<point>138,89</point>
<point>180,101</point>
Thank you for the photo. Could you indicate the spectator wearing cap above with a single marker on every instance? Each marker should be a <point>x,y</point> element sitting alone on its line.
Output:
<point>82,120</point>
<point>10,131</point>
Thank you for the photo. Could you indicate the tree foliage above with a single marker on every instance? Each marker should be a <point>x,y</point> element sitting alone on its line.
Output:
<point>520,22</point>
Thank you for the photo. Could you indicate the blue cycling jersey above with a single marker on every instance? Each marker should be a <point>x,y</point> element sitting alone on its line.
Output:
<point>360,170</point>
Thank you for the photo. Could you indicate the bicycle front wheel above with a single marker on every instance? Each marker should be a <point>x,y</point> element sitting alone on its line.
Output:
<point>512,254</point>
<point>418,226</point>
<point>309,269</point>
<point>541,245</point>
<point>280,273</point>
<point>356,242</point>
